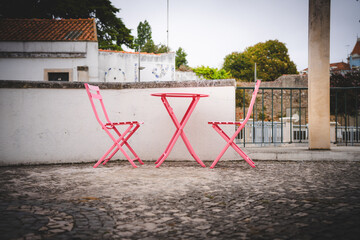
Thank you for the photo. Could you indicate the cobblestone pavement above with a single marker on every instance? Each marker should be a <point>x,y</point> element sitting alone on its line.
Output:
<point>181,200</point>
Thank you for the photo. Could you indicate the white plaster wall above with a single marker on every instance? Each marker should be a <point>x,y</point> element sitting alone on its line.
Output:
<point>92,61</point>
<point>186,76</point>
<point>58,125</point>
<point>32,69</point>
<point>123,67</point>
<point>42,46</point>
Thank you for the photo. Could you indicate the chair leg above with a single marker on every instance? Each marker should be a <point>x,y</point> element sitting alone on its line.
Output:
<point>104,156</point>
<point>124,141</point>
<point>130,148</point>
<point>134,153</point>
<point>243,155</point>
<point>119,146</point>
<point>127,156</point>
<point>232,144</point>
<point>111,155</point>
<point>219,156</point>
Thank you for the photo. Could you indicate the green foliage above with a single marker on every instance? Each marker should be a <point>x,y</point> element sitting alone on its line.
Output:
<point>144,36</point>
<point>271,57</point>
<point>180,58</point>
<point>239,96</point>
<point>350,79</point>
<point>144,40</point>
<point>211,73</point>
<point>345,97</point>
<point>150,47</point>
<point>264,116</point>
<point>111,31</point>
<point>239,65</point>
<point>162,48</point>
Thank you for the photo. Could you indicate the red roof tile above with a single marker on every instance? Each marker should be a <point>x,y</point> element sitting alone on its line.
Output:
<point>340,66</point>
<point>104,50</point>
<point>356,49</point>
<point>48,30</point>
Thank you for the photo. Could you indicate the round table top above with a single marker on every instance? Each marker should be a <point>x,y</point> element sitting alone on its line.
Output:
<point>179,95</point>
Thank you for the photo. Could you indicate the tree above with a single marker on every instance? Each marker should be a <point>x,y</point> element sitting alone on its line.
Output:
<point>150,47</point>
<point>145,42</point>
<point>272,60</point>
<point>180,58</point>
<point>211,73</point>
<point>239,65</point>
<point>144,36</point>
<point>162,48</point>
<point>111,30</point>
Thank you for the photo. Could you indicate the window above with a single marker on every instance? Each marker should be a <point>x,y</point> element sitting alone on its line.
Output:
<point>58,76</point>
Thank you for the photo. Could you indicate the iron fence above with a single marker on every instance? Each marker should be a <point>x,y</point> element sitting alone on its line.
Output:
<point>280,115</point>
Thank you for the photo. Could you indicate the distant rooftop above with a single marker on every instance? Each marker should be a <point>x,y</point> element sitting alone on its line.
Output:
<point>48,30</point>
<point>339,66</point>
<point>334,67</point>
<point>356,49</point>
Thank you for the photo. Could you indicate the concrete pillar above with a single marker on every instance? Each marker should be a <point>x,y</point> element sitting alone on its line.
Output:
<point>319,75</point>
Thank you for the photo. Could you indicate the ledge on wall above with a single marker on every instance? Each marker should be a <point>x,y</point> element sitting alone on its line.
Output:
<point>128,85</point>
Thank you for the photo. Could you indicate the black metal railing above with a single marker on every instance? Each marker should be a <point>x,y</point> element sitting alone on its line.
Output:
<point>344,106</point>
<point>280,115</point>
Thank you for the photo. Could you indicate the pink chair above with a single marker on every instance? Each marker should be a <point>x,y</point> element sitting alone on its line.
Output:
<point>94,93</point>
<point>230,141</point>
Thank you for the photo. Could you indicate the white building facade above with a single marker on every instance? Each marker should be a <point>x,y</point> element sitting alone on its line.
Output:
<point>48,50</point>
<point>115,66</point>
<point>67,50</point>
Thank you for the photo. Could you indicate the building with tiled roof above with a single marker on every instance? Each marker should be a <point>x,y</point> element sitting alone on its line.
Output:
<point>339,67</point>
<point>48,49</point>
<point>67,50</point>
<point>48,30</point>
<point>342,67</point>
<point>354,58</point>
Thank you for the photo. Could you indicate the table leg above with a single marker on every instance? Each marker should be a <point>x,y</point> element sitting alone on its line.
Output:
<point>179,132</point>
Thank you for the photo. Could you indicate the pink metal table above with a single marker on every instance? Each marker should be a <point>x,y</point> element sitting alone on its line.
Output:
<point>179,125</point>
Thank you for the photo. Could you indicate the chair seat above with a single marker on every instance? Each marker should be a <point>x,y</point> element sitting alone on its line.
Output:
<point>228,123</point>
<point>123,123</point>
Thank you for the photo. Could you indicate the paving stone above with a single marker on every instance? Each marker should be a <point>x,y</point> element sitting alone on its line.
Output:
<point>275,200</point>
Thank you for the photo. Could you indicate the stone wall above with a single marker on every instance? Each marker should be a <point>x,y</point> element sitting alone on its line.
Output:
<point>294,98</point>
<point>285,81</point>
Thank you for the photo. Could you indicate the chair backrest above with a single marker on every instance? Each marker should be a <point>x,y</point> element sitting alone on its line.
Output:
<point>256,89</point>
<point>94,93</point>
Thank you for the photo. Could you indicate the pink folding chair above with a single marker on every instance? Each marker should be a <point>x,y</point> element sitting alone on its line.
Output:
<point>94,93</point>
<point>230,141</point>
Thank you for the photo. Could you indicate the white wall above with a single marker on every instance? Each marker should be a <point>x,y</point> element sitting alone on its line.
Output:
<point>123,67</point>
<point>32,69</point>
<point>41,125</point>
<point>187,76</point>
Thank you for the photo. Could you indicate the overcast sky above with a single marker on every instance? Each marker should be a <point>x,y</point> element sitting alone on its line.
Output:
<point>208,30</point>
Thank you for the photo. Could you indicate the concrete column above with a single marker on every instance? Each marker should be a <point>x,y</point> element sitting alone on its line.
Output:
<point>319,75</point>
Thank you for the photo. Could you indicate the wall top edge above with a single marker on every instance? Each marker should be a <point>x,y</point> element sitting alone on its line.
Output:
<point>128,85</point>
